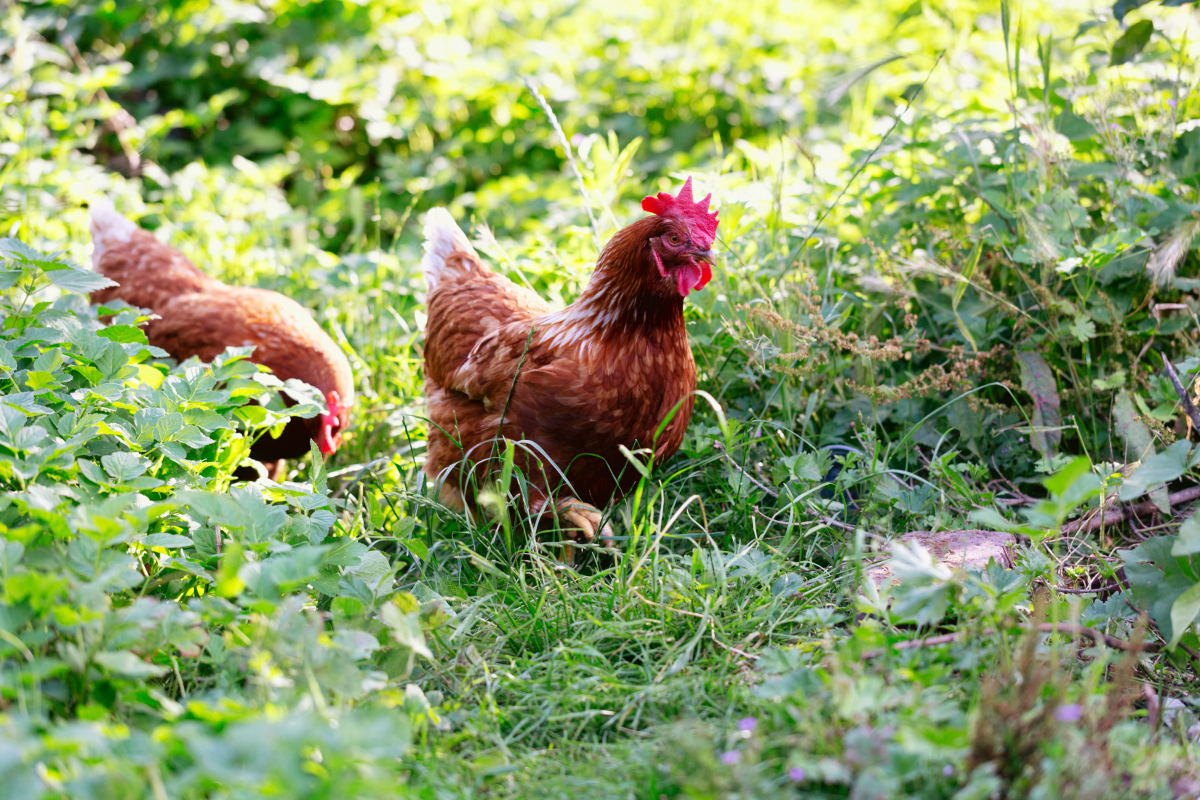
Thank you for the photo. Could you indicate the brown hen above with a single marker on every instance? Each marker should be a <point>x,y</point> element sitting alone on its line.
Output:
<point>200,316</point>
<point>603,373</point>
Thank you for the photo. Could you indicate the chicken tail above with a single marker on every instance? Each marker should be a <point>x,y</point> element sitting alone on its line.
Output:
<point>444,240</point>
<point>109,227</point>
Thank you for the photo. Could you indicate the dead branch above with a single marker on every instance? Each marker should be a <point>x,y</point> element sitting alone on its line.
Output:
<point>1188,406</point>
<point>1113,515</point>
<point>120,119</point>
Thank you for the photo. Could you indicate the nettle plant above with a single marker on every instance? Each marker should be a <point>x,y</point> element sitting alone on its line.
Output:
<point>130,574</point>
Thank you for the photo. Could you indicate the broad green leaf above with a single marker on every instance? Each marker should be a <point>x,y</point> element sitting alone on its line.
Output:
<point>1159,469</point>
<point>127,664</point>
<point>1139,444</point>
<point>991,519</point>
<point>1038,380</point>
<point>123,334</point>
<point>1183,613</point>
<point>1131,42</point>
<point>371,568</point>
<point>405,629</point>
<point>1059,482</point>
<point>123,466</point>
<point>70,280</point>
<point>1157,578</point>
<point>1187,541</point>
<point>416,547</point>
<point>167,540</point>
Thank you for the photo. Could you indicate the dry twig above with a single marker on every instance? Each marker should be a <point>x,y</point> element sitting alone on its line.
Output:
<point>1113,515</point>
<point>119,119</point>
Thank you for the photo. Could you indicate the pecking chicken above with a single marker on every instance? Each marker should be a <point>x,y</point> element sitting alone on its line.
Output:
<point>200,316</point>
<point>604,372</point>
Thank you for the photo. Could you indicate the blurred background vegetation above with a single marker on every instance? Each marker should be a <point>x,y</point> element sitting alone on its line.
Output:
<point>955,238</point>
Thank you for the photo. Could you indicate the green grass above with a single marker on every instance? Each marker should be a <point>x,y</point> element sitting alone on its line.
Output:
<point>939,259</point>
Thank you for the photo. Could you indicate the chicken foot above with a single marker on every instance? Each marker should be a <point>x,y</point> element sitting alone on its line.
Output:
<point>582,523</point>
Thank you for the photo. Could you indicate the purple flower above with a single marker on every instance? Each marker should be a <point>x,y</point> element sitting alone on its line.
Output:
<point>796,774</point>
<point>947,770</point>
<point>1116,127</point>
<point>1172,102</point>
<point>730,757</point>
<point>1070,713</point>
<point>747,725</point>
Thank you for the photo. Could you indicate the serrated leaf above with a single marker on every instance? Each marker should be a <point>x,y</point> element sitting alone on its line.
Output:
<point>123,466</point>
<point>123,334</point>
<point>70,280</point>
<point>1082,328</point>
<point>13,248</point>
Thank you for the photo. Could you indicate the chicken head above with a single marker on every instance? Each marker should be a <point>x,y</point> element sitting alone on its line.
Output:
<point>682,251</point>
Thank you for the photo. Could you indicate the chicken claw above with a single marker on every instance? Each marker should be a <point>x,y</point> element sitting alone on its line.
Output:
<point>581,522</point>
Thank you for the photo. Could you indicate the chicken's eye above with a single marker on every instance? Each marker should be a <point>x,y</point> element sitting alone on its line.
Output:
<point>673,238</point>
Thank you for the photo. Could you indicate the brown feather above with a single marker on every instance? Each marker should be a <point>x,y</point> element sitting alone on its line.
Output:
<point>200,316</point>
<point>604,372</point>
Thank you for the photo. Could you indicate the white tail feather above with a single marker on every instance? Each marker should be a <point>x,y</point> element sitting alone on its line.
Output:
<point>443,238</point>
<point>108,227</point>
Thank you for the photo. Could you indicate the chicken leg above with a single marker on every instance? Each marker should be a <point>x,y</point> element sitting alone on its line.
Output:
<point>582,523</point>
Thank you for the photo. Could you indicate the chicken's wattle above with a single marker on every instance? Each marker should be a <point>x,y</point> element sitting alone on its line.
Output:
<point>327,440</point>
<point>692,276</point>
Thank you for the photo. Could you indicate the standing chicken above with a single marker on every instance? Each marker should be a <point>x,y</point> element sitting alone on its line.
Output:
<point>604,372</point>
<point>200,316</point>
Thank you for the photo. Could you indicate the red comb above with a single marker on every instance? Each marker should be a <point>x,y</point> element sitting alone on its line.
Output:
<point>702,224</point>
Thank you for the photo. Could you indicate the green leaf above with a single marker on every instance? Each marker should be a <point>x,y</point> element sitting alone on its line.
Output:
<point>123,466</point>
<point>1061,481</point>
<point>73,280</point>
<point>1162,468</point>
<point>1123,7</point>
<point>1183,613</point>
<point>38,381</point>
<point>317,472</point>
<point>1132,42</point>
<point>372,567</point>
<point>405,629</point>
<point>991,519</point>
<point>1073,126</point>
<point>129,665</point>
<point>123,334</point>
<point>1082,328</point>
<point>1157,579</point>
<point>416,547</point>
<point>1188,539</point>
<point>167,540</point>
<point>1038,379</point>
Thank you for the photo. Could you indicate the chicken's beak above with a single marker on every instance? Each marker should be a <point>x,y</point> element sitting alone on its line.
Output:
<point>704,255</point>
